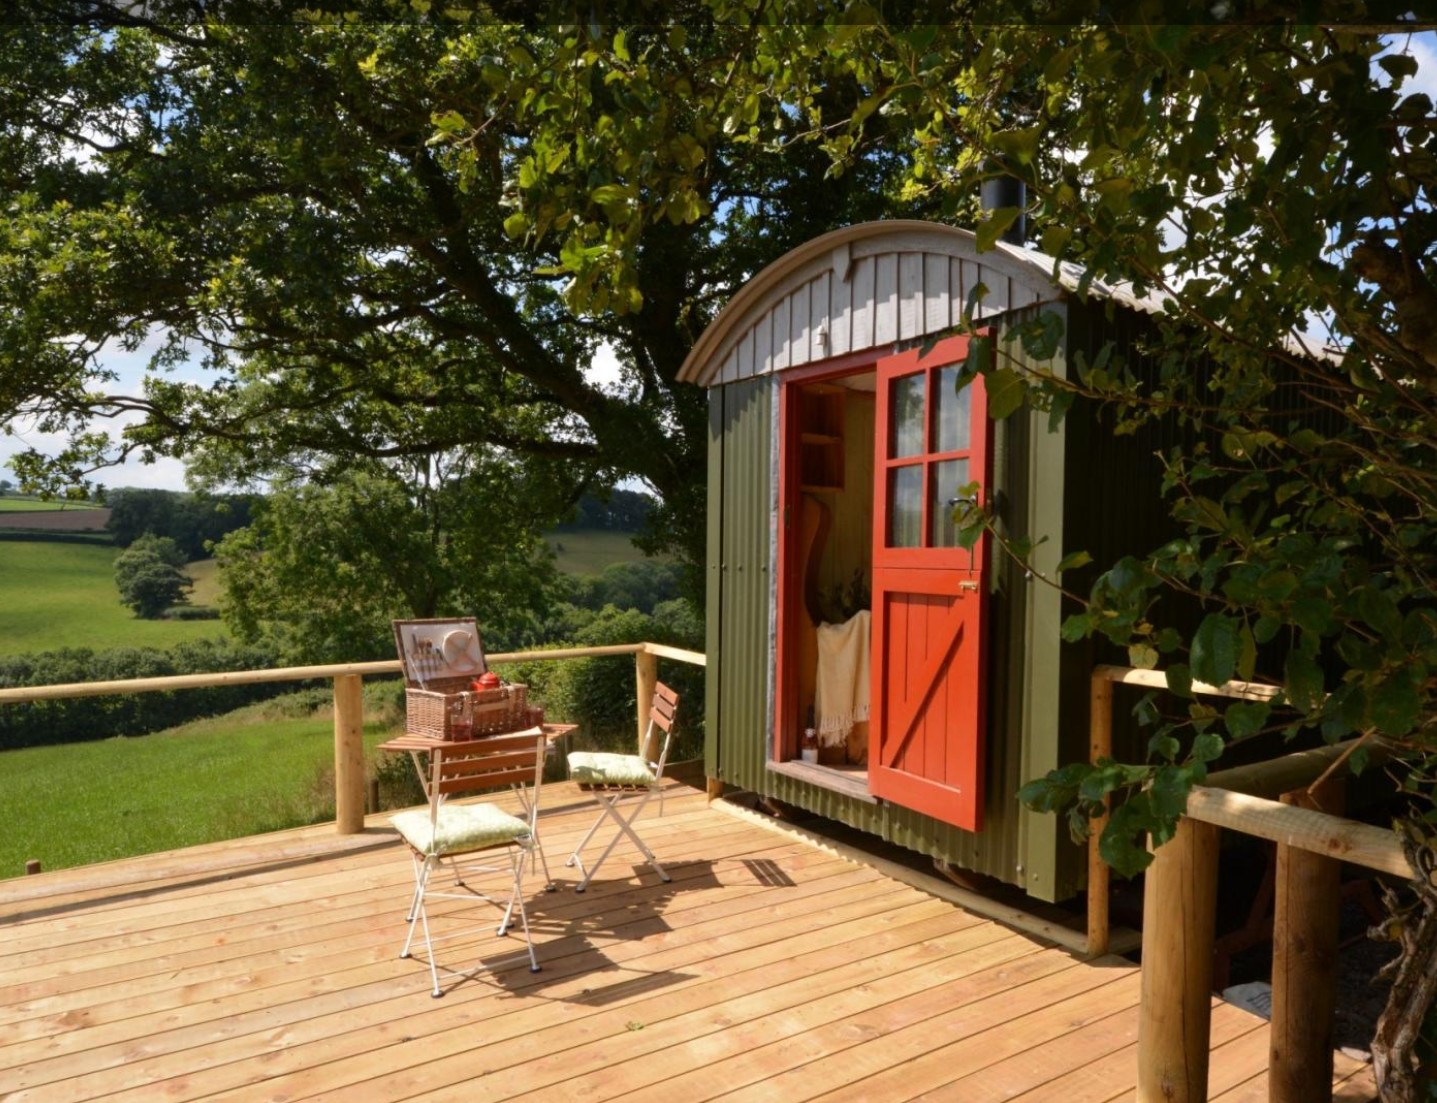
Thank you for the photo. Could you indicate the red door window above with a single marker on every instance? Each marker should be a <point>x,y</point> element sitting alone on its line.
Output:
<point>929,595</point>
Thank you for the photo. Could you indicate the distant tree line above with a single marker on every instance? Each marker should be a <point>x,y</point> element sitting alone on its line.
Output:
<point>617,511</point>
<point>80,719</point>
<point>192,521</point>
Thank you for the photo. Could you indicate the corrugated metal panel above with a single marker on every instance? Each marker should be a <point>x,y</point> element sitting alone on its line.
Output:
<point>741,578</point>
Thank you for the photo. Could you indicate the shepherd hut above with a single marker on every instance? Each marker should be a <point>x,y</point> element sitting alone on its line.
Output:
<point>933,678</point>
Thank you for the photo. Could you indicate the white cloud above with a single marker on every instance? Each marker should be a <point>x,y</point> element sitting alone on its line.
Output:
<point>129,367</point>
<point>604,370</point>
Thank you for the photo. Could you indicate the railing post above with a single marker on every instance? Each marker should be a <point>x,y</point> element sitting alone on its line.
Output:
<point>1179,919</point>
<point>1100,745</point>
<point>349,754</point>
<point>1304,962</point>
<point>646,676</point>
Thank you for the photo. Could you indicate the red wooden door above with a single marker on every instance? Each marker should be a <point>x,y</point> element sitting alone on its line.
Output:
<point>929,595</point>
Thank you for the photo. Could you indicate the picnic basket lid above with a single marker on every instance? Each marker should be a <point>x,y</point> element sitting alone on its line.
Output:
<point>440,648</point>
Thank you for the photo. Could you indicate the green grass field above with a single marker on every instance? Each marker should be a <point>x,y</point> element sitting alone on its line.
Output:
<point>55,595</point>
<point>261,769</point>
<point>35,505</point>
<point>589,551</point>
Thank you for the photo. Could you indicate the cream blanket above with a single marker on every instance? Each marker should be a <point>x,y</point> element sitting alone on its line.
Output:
<point>842,678</point>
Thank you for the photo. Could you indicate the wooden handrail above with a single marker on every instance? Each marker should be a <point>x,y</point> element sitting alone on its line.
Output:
<point>1361,844</point>
<point>1174,1027</point>
<point>349,700</point>
<point>60,691</point>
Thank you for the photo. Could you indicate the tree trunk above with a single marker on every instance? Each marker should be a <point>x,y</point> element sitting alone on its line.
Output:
<point>1396,1059</point>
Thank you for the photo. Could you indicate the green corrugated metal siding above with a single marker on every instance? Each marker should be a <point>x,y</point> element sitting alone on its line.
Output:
<point>1015,846</point>
<point>739,580</point>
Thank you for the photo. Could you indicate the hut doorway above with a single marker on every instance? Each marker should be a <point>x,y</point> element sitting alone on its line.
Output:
<point>881,627</point>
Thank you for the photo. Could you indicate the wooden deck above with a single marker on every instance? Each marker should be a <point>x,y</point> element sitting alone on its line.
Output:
<point>267,969</point>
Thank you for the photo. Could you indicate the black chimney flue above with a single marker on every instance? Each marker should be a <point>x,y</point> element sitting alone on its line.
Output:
<point>1003,190</point>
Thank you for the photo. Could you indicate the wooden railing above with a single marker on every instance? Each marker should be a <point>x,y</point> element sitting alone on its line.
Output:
<point>1180,901</point>
<point>348,680</point>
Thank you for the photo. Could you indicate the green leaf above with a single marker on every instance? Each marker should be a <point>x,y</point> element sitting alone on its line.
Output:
<point>1121,842</point>
<point>1180,679</point>
<point>1144,656</point>
<point>1302,679</point>
<point>1266,629</point>
<point>1215,649</point>
<point>993,227</point>
<point>1313,614</point>
<point>976,294</point>
<point>1245,718</point>
<point>1395,704</point>
<point>1164,746</point>
<point>1146,711</point>
<point>610,193</point>
<point>1006,393</point>
<point>449,122</point>
<point>1168,793</point>
<point>1076,627</point>
<point>516,224</point>
<point>1247,655</point>
<point>1073,561</point>
<point>1021,144</point>
<point>1398,66</point>
<point>1208,747</point>
<point>1379,610</point>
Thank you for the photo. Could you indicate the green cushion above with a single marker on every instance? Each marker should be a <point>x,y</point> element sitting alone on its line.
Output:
<point>592,768</point>
<point>461,827</point>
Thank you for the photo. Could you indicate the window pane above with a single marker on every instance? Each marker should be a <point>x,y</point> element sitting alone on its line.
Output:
<point>905,507</point>
<point>947,477</point>
<point>952,418</point>
<point>907,396</point>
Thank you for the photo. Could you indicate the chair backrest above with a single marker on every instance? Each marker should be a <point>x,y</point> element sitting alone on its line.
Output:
<point>505,761</point>
<point>661,717</point>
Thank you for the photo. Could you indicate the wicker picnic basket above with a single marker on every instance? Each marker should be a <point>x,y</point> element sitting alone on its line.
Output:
<point>441,660</point>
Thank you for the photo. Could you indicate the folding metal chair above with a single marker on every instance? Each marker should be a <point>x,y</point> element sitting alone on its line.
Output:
<point>613,778</point>
<point>448,830</point>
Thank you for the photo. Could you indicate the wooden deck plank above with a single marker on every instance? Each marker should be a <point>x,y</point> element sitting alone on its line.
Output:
<point>790,1006</point>
<point>215,972</point>
<point>329,1041</point>
<point>776,1067</point>
<point>267,1007</point>
<point>202,957</point>
<point>189,945</point>
<point>882,1039</point>
<point>941,1060</point>
<point>769,969</point>
<point>605,1044</point>
<point>1113,1075</point>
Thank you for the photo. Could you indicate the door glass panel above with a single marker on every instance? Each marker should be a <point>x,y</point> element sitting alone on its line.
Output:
<point>907,406</point>
<point>952,419</point>
<point>905,506</point>
<point>947,477</point>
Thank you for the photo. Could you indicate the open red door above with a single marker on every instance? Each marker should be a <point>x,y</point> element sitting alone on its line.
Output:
<point>929,595</point>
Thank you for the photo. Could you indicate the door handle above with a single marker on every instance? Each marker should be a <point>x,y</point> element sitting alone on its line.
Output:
<point>973,586</point>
